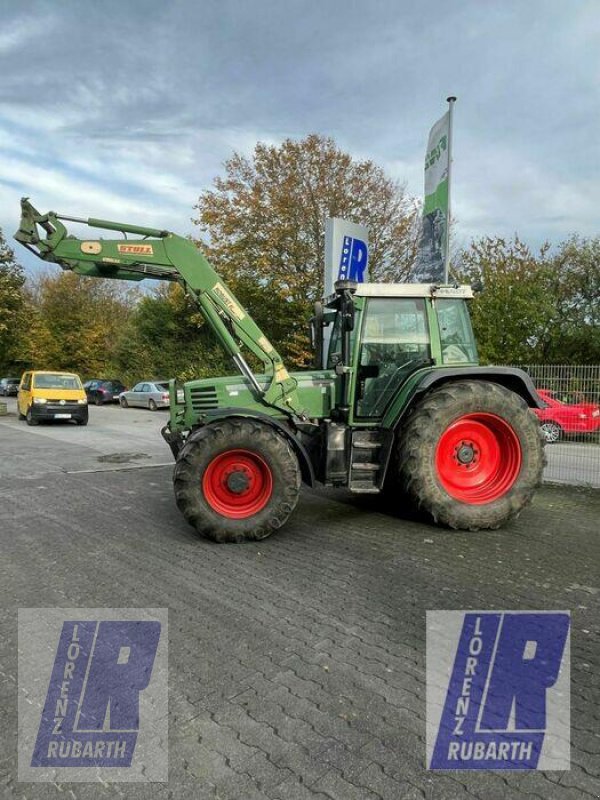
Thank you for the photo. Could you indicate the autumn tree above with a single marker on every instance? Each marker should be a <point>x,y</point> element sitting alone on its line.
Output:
<point>263,226</point>
<point>12,307</point>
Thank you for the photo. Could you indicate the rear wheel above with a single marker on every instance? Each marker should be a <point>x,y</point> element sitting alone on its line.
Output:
<point>236,480</point>
<point>551,431</point>
<point>470,455</point>
<point>152,405</point>
<point>98,400</point>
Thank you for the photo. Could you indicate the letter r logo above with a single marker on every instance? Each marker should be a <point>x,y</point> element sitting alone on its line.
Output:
<point>353,260</point>
<point>528,658</point>
<point>121,667</point>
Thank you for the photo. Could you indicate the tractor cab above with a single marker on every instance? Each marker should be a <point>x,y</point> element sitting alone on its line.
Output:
<point>377,336</point>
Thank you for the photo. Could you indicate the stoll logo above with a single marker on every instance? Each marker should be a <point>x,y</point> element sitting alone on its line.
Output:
<point>101,697</point>
<point>498,690</point>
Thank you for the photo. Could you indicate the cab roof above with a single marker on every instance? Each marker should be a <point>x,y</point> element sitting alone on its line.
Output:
<point>409,290</point>
<point>412,290</point>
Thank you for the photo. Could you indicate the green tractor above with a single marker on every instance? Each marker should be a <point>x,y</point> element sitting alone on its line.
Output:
<point>397,404</point>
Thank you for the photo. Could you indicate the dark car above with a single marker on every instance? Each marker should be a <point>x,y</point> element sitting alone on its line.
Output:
<point>9,386</point>
<point>100,392</point>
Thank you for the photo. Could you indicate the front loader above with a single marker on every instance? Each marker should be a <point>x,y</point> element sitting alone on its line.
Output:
<point>397,404</point>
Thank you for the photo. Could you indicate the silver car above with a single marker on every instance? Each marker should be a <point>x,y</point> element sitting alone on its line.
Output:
<point>146,394</point>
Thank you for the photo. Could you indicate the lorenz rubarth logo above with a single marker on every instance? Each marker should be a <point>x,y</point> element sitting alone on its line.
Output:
<point>498,690</point>
<point>106,692</point>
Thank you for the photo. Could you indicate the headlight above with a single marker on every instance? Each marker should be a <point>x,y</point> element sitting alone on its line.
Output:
<point>39,401</point>
<point>82,402</point>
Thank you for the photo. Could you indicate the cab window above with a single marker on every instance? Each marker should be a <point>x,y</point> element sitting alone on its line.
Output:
<point>395,342</point>
<point>456,334</point>
<point>26,386</point>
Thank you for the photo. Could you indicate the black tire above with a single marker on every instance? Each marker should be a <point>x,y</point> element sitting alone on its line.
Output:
<point>30,419</point>
<point>211,442</point>
<point>97,401</point>
<point>123,402</point>
<point>152,405</point>
<point>551,431</point>
<point>428,483</point>
<point>82,421</point>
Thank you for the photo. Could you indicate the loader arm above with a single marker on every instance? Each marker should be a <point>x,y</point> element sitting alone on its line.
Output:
<point>162,255</point>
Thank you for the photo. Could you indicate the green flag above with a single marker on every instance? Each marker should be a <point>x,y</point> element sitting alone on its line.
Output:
<point>430,265</point>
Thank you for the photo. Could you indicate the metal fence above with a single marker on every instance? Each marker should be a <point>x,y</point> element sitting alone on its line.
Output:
<point>570,421</point>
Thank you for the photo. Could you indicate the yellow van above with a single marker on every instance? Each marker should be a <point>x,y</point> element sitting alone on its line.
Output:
<point>51,395</point>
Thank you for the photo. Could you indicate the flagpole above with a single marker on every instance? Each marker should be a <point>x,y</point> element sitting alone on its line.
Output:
<point>450,101</point>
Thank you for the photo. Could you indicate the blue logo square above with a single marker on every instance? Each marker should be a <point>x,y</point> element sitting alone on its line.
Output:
<point>498,690</point>
<point>95,681</point>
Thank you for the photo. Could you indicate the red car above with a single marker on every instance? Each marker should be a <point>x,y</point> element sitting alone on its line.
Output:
<point>558,418</point>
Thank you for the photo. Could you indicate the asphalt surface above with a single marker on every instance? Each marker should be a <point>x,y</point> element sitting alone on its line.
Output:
<point>296,665</point>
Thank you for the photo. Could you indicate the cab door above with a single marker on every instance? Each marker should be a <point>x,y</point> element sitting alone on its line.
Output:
<point>24,394</point>
<point>394,343</point>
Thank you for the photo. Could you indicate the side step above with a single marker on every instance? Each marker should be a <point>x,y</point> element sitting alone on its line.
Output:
<point>366,461</point>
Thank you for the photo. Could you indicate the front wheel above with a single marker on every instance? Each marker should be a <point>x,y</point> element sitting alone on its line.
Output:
<point>236,480</point>
<point>30,419</point>
<point>470,455</point>
<point>123,402</point>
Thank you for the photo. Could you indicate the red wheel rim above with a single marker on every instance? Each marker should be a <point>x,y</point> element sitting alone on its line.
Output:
<point>478,458</point>
<point>237,484</point>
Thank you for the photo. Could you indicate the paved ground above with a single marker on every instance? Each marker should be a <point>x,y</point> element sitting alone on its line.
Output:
<point>137,435</point>
<point>296,665</point>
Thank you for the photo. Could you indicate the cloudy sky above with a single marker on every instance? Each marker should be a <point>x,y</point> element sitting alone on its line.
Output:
<point>126,110</point>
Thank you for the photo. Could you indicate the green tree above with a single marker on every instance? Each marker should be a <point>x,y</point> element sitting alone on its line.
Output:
<point>167,337</point>
<point>510,314</point>
<point>13,301</point>
<point>77,323</point>
<point>534,307</point>
<point>573,334</point>
<point>263,227</point>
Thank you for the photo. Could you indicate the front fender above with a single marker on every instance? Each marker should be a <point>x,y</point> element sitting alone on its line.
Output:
<point>306,467</point>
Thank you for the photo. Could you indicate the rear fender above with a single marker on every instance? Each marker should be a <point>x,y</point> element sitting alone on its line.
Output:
<point>514,379</point>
